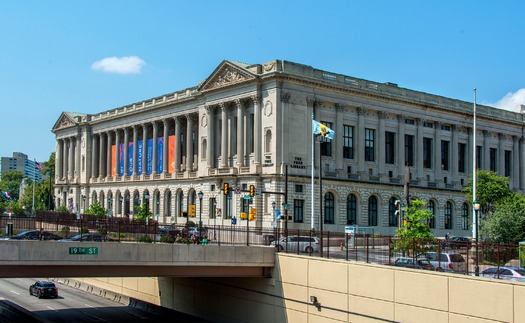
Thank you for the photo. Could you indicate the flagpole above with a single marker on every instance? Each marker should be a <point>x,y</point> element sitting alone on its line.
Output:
<point>474,175</point>
<point>34,179</point>
<point>313,168</point>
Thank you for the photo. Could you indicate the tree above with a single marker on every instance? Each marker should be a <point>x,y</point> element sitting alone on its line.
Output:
<point>506,224</point>
<point>143,212</point>
<point>96,209</point>
<point>490,188</point>
<point>415,233</point>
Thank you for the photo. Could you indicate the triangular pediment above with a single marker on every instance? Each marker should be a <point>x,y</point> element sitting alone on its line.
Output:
<point>64,121</point>
<point>227,74</point>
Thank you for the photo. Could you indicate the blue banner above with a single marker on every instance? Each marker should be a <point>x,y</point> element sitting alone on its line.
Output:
<point>130,159</point>
<point>121,160</point>
<point>149,157</point>
<point>160,155</point>
<point>140,149</point>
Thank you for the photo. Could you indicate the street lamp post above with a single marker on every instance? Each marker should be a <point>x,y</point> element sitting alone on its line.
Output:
<point>200,194</point>
<point>84,202</point>
<point>476,209</point>
<point>274,219</point>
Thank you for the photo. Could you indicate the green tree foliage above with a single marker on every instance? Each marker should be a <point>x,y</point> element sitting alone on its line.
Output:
<point>490,188</point>
<point>507,223</point>
<point>415,233</point>
<point>96,209</point>
<point>143,212</point>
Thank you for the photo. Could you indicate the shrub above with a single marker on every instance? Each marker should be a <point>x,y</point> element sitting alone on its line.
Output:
<point>84,230</point>
<point>167,239</point>
<point>65,231</point>
<point>102,231</point>
<point>146,239</point>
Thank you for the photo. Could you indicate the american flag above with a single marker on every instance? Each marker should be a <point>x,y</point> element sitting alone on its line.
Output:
<point>39,166</point>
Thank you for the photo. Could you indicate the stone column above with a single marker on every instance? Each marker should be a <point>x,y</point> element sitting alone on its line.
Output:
<point>144,148</point>
<point>71,158</point>
<point>126,152</point>
<point>381,144</point>
<point>135,150</point>
<point>117,152</point>
<point>94,157</point>
<point>360,140</point>
<point>166,146</point>
<point>101,155</point>
<point>108,155</point>
<point>257,131</point>
<point>178,152</point>
<point>240,133</point>
<point>224,136</point>
<point>189,142</point>
<point>154,159</point>
<point>59,172</point>
<point>210,153</point>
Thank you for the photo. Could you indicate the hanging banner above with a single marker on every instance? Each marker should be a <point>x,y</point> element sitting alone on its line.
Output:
<point>140,152</point>
<point>171,154</point>
<point>113,160</point>
<point>160,155</point>
<point>121,160</point>
<point>130,159</point>
<point>149,157</point>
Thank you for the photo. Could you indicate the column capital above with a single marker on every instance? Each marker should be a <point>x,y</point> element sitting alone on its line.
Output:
<point>256,99</point>
<point>361,111</point>
<point>382,114</point>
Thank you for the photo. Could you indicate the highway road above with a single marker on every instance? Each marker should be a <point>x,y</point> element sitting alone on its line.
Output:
<point>74,305</point>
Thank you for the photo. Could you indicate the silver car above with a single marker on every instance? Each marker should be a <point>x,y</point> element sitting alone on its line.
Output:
<point>447,261</point>
<point>297,244</point>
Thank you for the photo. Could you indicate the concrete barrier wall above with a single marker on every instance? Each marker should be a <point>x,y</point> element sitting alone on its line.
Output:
<point>345,292</point>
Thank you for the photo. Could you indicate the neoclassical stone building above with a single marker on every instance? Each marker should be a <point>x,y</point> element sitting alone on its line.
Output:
<point>251,125</point>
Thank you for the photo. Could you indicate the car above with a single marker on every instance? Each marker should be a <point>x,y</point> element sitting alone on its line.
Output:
<point>195,231</point>
<point>458,243</point>
<point>43,289</point>
<point>297,244</point>
<point>505,272</point>
<point>413,263</point>
<point>87,237</point>
<point>35,235</point>
<point>446,261</point>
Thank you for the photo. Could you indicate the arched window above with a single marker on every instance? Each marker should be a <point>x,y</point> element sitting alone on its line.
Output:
<point>329,208</point>
<point>268,141</point>
<point>167,203</point>
<point>464,217</point>
<point>392,215</point>
<point>351,209</point>
<point>448,215</point>
<point>136,202</point>
<point>432,208</point>
<point>372,211</point>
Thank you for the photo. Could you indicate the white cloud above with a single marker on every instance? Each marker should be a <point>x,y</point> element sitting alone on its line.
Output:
<point>122,65</point>
<point>512,101</point>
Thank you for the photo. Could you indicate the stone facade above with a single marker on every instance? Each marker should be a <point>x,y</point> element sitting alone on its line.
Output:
<point>252,125</point>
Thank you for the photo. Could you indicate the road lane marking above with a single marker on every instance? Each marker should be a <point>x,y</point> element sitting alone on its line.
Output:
<point>17,293</point>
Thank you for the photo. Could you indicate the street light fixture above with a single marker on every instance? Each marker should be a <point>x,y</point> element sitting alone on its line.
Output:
<point>200,194</point>
<point>84,202</point>
<point>476,209</point>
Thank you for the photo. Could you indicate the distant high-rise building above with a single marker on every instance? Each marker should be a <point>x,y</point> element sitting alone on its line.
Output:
<point>20,162</point>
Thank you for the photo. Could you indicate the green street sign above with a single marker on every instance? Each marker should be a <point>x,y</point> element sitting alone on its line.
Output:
<point>83,250</point>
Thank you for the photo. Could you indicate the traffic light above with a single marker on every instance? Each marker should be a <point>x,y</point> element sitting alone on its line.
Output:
<point>226,188</point>
<point>252,190</point>
<point>192,210</point>
<point>253,213</point>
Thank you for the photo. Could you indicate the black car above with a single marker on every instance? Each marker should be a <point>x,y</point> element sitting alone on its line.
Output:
<point>35,235</point>
<point>43,289</point>
<point>458,243</point>
<point>87,237</point>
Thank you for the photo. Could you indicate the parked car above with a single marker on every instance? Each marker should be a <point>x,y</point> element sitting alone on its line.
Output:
<point>418,263</point>
<point>505,272</point>
<point>35,235</point>
<point>447,261</point>
<point>297,243</point>
<point>87,237</point>
<point>43,289</point>
<point>458,243</point>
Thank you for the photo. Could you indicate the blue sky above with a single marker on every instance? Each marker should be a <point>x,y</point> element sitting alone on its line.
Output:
<point>92,56</point>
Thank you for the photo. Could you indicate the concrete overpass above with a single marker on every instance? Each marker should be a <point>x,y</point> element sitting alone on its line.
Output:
<point>114,259</point>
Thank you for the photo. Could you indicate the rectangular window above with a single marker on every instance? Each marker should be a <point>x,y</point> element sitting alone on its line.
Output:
<point>445,150</point>
<point>508,156</point>
<point>298,211</point>
<point>427,152</point>
<point>409,150</point>
<point>493,153</point>
<point>389,147</point>
<point>410,121</point>
<point>298,188</point>
<point>326,144</point>
<point>369,144</point>
<point>462,150</point>
<point>479,160</point>
<point>348,142</point>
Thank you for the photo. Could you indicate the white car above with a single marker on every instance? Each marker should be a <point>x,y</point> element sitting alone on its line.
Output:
<point>297,244</point>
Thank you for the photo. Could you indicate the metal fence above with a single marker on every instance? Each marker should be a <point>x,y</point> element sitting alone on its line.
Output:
<point>359,247</point>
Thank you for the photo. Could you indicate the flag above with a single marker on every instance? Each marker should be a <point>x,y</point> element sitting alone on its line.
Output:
<point>39,166</point>
<point>7,195</point>
<point>320,129</point>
